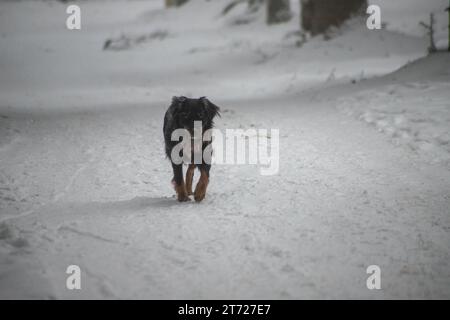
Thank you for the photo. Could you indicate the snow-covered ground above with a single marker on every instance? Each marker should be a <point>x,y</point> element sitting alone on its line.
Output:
<point>83,178</point>
<point>412,110</point>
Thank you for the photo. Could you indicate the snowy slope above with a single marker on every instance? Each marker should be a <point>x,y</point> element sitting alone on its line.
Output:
<point>412,110</point>
<point>83,179</point>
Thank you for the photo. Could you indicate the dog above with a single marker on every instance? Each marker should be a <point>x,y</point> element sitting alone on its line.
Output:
<point>181,114</point>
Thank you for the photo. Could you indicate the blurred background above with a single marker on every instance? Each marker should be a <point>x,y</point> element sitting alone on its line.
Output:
<point>155,48</point>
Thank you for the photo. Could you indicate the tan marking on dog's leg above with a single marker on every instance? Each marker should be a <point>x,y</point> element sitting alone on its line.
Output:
<point>189,177</point>
<point>200,189</point>
<point>181,192</point>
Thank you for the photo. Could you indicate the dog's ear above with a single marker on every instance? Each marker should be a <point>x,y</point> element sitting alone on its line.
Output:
<point>211,109</point>
<point>179,101</point>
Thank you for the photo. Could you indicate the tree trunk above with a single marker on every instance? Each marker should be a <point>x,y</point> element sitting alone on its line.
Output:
<point>278,11</point>
<point>448,10</point>
<point>318,15</point>
<point>174,3</point>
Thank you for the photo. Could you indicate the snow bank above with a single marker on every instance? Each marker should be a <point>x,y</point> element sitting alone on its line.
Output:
<point>404,15</point>
<point>412,108</point>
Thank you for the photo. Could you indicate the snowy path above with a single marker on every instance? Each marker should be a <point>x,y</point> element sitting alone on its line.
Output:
<point>337,206</point>
<point>90,187</point>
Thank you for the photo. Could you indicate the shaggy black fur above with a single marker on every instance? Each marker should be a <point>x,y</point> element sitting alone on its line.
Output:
<point>181,114</point>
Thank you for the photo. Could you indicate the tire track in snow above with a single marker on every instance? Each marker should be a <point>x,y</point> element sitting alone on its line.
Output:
<point>87,234</point>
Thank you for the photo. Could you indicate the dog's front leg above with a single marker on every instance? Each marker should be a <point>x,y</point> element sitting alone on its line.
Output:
<point>189,178</point>
<point>178,182</point>
<point>200,189</point>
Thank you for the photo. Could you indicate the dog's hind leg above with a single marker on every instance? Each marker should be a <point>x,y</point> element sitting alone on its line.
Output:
<point>189,178</point>
<point>178,182</point>
<point>200,189</point>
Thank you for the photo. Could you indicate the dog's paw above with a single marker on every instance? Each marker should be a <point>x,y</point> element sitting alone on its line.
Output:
<point>200,191</point>
<point>182,195</point>
<point>199,197</point>
<point>183,198</point>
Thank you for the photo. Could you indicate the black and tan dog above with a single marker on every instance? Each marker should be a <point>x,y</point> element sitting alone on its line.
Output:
<point>181,115</point>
